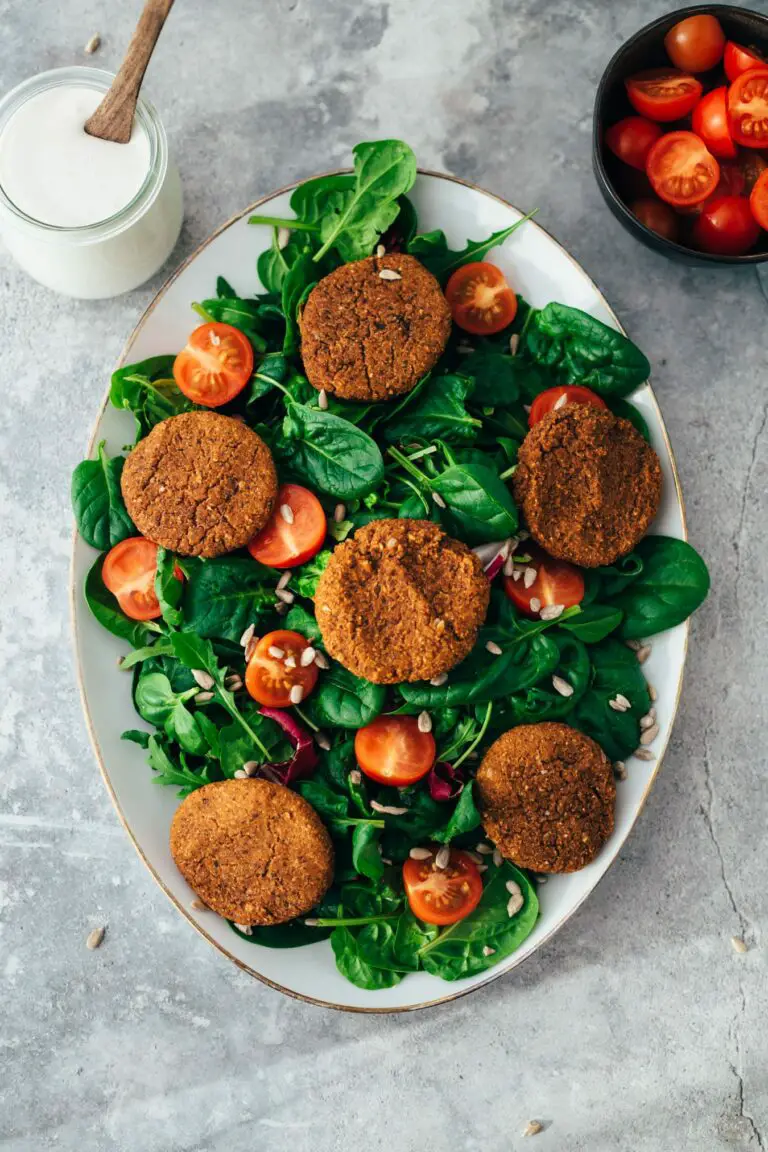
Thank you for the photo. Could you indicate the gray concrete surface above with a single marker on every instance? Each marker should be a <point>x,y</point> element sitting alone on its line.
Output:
<point>638,1029</point>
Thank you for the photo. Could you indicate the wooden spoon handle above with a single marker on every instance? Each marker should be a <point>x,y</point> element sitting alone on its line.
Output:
<point>113,119</point>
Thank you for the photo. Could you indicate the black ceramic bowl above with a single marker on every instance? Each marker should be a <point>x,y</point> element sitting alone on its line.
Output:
<point>619,182</point>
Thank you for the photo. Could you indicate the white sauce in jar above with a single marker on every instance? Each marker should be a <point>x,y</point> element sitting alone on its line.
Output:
<point>56,173</point>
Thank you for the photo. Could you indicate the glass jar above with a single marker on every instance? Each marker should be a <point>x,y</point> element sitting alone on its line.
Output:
<point>103,259</point>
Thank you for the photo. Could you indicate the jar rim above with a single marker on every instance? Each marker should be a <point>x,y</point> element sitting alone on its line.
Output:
<point>146,115</point>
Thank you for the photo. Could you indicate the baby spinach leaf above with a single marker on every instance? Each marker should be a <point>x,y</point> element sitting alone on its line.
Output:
<point>136,736</point>
<point>673,583</point>
<point>226,594</point>
<point>107,611</point>
<point>594,623</point>
<point>241,314</point>
<point>351,964</point>
<point>273,264</point>
<point>542,701</point>
<point>583,350</point>
<point>148,390</point>
<point>342,700</point>
<point>628,411</point>
<point>479,506</point>
<point>459,950</point>
<point>314,198</point>
<point>432,249</point>
<point>236,746</point>
<point>330,454</point>
<point>439,413</point>
<point>500,380</point>
<point>298,282</point>
<point>294,934</point>
<point>158,704</point>
<point>615,670</point>
<point>97,501</point>
<point>366,853</point>
<point>353,220</point>
<point>270,372</point>
<point>329,803</point>
<point>395,945</point>
<point>175,773</point>
<point>464,818</point>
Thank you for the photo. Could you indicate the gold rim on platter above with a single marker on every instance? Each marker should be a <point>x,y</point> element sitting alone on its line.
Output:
<point>493,975</point>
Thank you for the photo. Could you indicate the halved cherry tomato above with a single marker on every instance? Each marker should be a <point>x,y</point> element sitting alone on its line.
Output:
<point>557,582</point>
<point>481,300</point>
<point>129,573</point>
<point>275,670</point>
<point>294,536</point>
<point>726,226</point>
<point>748,108</point>
<point>695,44</point>
<point>758,200</point>
<point>442,895</point>
<point>731,183</point>
<point>631,139</point>
<point>710,122</point>
<point>751,164</point>
<point>558,397</point>
<point>681,169</point>
<point>738,59</point>
<point>657,216</point>
<point>392,750</point>
<point>663,93</point>
<point>215,365</point>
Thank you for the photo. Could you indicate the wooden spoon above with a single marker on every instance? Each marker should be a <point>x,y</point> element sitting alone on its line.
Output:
<point>113,119</point>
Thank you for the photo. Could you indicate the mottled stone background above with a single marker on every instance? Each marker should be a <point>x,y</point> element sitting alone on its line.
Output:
<point>638,1029</point>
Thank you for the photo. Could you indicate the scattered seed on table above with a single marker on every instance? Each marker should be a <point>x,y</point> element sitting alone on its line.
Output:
<point>442,857</point>
<point>551,611</point>
<point>339,513</point>
<point>533,1128</point>
<point>424,722</point>
<point>94,938</point>
<point>649,735</point>
<point>643,653</point>
<point>275,652</point>
<point>389,274</point>
<point>493,648</point>
<point>739,945</point>
<point>562,686</point>
<point>322,399</point>
<point>296,694</point>
<point>93,45</point>
<point>202,678</point>
<point>420,853</point>
<point>287,513</point>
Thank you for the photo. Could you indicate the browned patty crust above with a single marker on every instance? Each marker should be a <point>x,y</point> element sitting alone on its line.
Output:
<point>546,794</point>
<point>200,484</point>
<point>253,851</point>
<point>401,601</point>
<point>364,337</point>
<point>588,483</point>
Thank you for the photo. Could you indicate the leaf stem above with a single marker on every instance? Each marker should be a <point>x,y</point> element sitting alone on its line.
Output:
<point>306,720</point>
<point>281,222</point>
<point>350,921</point>
<point>508,472</point>
<point>405,463</point>
<point>206,316</point>
<point>483,728</point>
<point>351,821</point>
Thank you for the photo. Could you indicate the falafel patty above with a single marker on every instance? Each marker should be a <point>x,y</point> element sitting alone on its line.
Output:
<point>371,329</point>
<point>401,600</point>
<point>253,851</point>
<point>200,484</point>
<point>546,795</point>
<point>588,483</point>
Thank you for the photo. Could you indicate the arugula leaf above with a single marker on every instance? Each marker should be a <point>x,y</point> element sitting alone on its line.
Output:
<point>176,774</point>
<point>226,594</point>
<point>168,588</point>
<point>673,583</point>
<point>148,390</point>
<point>433,251</point>
<point>158,704</point>
<point>298,282</point>
<point>329,453</point>
<point>583,350</point>
<point>105,608</point>
<point>353,219</point>
<point>438,413</point>
<point>97,501</point>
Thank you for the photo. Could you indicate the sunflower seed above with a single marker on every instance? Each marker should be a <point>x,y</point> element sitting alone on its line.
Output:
<point>93,45</point>
<point>389,274</point>
<point>420,853</point>
<point>283,237</point>
<point>215,339</point>
<point>516,574</point>
<point>473,856</point>
<point>527,408</point>
<point>250,648</point>
<point>202,678</point>
<point>246,929</point>
<point>307,657</point>
<point>322,741</point>
<point>355,777</point>
<point>203,697</point>
<point>620,770</point>
<point>482,867</point>
<point>529,577</point>
<point>514,904</point>
<point>652,713</point>
<point>281,608</point>
<point>380,250</point>
<point>287,513</point>
<point>652,692</point>
<point>514,343</point>
<point>284,595</point>
<point>251,767</point>
<point>283,582</point>
<point>619,703</point>
<point>290,661</point>
<point>199,906</point>
<point>483,849</point>
<point>559,403</point>
<point>322,660</point>
<point>424,722</point>
<point>94,938</point>
<point>541,878</point>
<point>241,774</point>
<point>644,754</point>
<point>647,721</point>
<point>535,604</point>
<point>311,923</point>
<point>439,680</point>
<point>643,653</point>
<point>386,860</point>
<point>387,809</point>
<point>739,945</point>
<point>493,648</point>
<point>275,652</point>
<point>513,888</point>
<point>533,1128</point>
<point>233,683</point>
<point>562,686</point>
<point>488,951</point>
<point>551,611</point>
<point>649,735</point>
<point>322,400</point>
<point>296,694</point>
<point>442,857</point>
<point>498,859</point>
<point>509,566</point>
<point>339,513</point>
<point>633,644</point>
<point>438,499</point>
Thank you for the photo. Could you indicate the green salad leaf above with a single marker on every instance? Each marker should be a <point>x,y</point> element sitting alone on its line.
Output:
<point>97,501</point>
<point>583,350</point>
